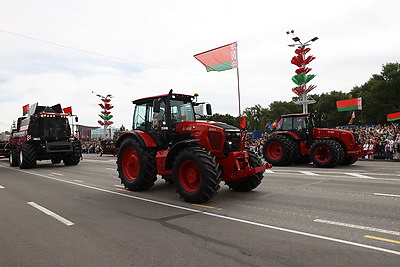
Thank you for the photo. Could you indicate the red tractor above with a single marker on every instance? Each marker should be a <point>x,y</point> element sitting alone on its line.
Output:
<point>194,155</point>
<point>298,141</point>
<point>44,134</point>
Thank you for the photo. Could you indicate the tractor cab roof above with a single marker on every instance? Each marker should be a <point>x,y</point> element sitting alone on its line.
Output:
<point>164,96</point>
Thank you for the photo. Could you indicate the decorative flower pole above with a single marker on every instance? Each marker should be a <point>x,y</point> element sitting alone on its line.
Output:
<point>302,77</point>
<point>105,113</point>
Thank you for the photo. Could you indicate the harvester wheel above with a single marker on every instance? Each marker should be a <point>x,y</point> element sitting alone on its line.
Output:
<point>326,153</point>
<point>56,160</point>
<point>136,166</point>
<point>196,175</point>
<point>27,156</point>
<point>250,182</point>
<point>70,159</point>
<point>280,150</point>
<point>13,158</point>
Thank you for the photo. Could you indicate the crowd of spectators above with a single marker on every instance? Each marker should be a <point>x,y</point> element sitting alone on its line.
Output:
<point>384,140</point>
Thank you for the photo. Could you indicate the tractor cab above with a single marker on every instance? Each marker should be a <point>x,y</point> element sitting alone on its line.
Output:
<point>300,124</point>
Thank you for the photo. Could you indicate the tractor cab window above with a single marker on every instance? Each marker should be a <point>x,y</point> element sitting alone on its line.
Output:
<point>139,117</point>
<point>181,111</point>
<point>287,124</point>
<point>299,123</point>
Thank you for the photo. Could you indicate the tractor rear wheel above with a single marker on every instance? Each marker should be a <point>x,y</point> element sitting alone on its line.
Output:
<point>250,182</point>
<point>349,160</point>
<point>136,166</point>
<point>27,156</point>
<point>13,158</point>
<point>280,150</point>
<point>326,153</point>
<point>196,175</point>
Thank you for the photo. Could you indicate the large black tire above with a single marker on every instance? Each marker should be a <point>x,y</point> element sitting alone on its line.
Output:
<point>250,182</point>
<point>349,160</point>
<point>280,150</point>
<point>56,160</point>
<point>196,175</point>
<point>136,166</point>
<point>326,153</point>
<point>71,159</point>
<point>27,156</point>
<point>13,158</point>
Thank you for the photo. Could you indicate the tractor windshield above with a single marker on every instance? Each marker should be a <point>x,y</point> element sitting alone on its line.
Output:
<point>298,123</point>
<point>181,111</point>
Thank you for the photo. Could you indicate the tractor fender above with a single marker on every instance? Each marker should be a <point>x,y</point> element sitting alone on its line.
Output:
<point>144,139</point>
<point>288,134</point>
<point>176,148</point>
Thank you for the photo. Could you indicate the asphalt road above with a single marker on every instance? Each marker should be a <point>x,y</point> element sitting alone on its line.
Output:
<point>56,215</point>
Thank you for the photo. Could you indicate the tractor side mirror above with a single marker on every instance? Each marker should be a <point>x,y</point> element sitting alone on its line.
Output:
<point>76,119</point>
<point>208,109</point>
<point>156,105</point>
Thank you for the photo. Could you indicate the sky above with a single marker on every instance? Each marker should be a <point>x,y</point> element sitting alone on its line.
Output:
<point>55,51</point>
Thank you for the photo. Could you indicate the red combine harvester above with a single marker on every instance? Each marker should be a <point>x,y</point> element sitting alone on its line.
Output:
<point>194,155</point>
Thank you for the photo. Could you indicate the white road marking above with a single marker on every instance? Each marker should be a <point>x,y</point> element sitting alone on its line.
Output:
<point>386,195</point>
<point>59,174</point>
<point>119,185</point>
<point>308,173</point>
<point>51,214</point>
<point>2,187</point>
<point>394,252</point>
<point>358,175</point>
<point>269,171</point>
<point>361,227</point>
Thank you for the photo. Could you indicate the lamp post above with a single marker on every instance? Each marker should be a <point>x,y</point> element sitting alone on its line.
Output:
<point>302,77</point>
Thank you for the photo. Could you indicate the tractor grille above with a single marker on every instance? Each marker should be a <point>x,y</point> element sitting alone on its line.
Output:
<point>215,139</point>
<point>232,142</point>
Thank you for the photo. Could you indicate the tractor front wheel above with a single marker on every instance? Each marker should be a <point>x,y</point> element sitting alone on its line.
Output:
<point>326,153</point>
<point>196,175</point>
<point>250,182</point>
<point>136,166</point>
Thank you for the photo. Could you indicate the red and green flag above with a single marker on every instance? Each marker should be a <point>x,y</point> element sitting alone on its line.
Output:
<point>393,116</point>
<point>67,110</point>
<point>25,109</point>
<point>349,104</point>
<point>219,59</point>
<point>353,116</point>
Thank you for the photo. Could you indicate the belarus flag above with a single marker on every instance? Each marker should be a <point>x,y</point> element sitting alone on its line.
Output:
<point>349,104</point>
<point>393,116</point>
<point>219,59</point>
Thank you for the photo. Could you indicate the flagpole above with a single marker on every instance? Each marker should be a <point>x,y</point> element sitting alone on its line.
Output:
<point>238,88</point>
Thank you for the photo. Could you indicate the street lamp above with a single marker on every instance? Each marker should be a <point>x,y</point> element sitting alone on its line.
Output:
<point>302,77</point>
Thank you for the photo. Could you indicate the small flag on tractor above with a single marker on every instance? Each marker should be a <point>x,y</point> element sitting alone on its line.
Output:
<point>219,59</point>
